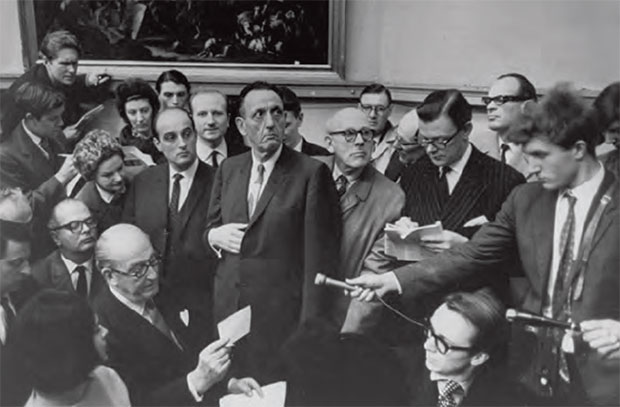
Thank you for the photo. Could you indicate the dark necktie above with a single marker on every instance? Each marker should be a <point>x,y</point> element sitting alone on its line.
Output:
<point>214,159</point>
<point>446,396</point>
<point>503,151</point>
<point>82,284</point>
<point>176,194</point>
<point>45,145</point>
<point>8,312</point>
<point>255,187</point>
<point>341,185</point>
<point>157,320</point>
<point>567,245</point>
<point>442,184</point>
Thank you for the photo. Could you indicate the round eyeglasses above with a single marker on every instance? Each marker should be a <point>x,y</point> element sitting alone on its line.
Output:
<point>378,109</point>
<point>350,135</point>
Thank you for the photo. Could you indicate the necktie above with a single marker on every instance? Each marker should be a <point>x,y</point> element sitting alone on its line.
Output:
<point>176,194</point>
<point>504,151</point>
<point>8,312</point>
<point>567,244</point>
<point>442,184</point>
<point>214,159</point>
<point>157,320</point>
<point>341,185</point>
<point>82,285</point>
<point>255,189</point>
<point>45,145</point>
<point>446,395</point>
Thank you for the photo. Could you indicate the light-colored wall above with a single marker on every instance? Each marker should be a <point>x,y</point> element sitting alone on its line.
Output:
<point>10,44</point>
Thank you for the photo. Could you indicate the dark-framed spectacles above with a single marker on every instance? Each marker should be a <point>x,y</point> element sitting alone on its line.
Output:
<point>77,226</point>
<point>439,144</point>
<point>501,99</point>
<point>440,343</point>
<point>139,270</point>
<point>378,109</point>
<point>350,135</point>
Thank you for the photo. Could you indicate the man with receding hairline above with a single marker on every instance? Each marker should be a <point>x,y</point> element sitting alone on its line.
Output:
<point>170,203</point>
<point>275,223</point>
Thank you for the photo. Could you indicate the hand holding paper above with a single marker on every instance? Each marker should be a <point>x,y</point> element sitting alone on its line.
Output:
<point>236,326</point>
<point>274,395</point>
<point>447,239</point>
<point>403,239</point>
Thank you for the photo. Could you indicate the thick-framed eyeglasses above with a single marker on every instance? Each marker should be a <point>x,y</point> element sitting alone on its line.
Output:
<point>350,135</point>
<point>439,144</point>
<point>440,344</point>
<point>139,270</point>
<point>501,99</point>
<point>378,109</point>
<point>399,141</point>
<point>77,226</point>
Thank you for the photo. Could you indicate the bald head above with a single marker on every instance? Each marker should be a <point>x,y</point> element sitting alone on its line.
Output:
<point>343,119</point>
<point>120,243</point>
<point>65,211</point>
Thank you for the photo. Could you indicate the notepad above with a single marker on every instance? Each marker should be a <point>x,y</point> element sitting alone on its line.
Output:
<point>274,395</point>
<point>402,239</point>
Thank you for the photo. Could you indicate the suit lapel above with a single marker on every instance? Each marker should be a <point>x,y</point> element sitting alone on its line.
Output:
<point>200,184</point>
<point>33,153</point>
<point>466,193</point>
<point>278,175</point>
<point>238,183</point>
<point>60,276</point>
<point>543,217</point>
<point>358,192</point>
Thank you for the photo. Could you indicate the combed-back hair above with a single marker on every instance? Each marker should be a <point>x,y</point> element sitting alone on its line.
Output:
<point>377,88</point>
<point>290,100</point>
<point>526,88</point>
<point>450,102</point>
<point>54,41</point>
<point>258,85</point>
<point>37,99</point>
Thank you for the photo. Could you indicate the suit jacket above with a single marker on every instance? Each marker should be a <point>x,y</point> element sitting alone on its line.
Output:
<point>525,225</point>
<point>51,272</point>
<point>484,185</point>
<point>293,234</point>
<point>313,149</point>
<point>152,366</point>
<point>23,165</point>
<point>188,268</point>
<point>107,214</point>
<point>370,203</point>
<point>488,143</point>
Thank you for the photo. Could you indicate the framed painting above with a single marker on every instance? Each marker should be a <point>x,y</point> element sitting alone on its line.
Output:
<point>210,40</point>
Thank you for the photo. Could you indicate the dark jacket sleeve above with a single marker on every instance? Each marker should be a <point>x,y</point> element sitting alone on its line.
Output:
<point>214,218</point>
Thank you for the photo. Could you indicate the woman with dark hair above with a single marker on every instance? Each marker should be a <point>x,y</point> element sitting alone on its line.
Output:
<point>173,89</point>
<point>607,111</point>
<point>99,159</point>
<point>137,103</point>
<point>61,346</point>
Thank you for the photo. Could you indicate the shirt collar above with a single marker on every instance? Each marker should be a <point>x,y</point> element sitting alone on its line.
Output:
<point>297,147</point>
<point>269,164</point>
<point>188,174</point>
<point>88,264</point>
<point>35,139</point>
<point>459,166</point>
<point>441,380</point>
<point>203,150</point>
<point>139,308</point>
<point>106,196</point>
<point>589,188</point>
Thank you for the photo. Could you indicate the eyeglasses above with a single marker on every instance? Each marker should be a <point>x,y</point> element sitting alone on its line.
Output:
<point>501,99</point>
<point>350,135</point>
<point>439,144</point>
<point>77,226</point>
<point>440,343</point>
<point>139,270</point>
<point>399,141</point>
<point>379,109</point>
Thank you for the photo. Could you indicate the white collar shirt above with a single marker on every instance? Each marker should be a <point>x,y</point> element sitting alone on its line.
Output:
<point>383,151</point>
<point>35,139</point>
<point>456,170</point>
<point>70,265</point>
<point>105,195</point>
<point>185,183</point>
<point>135,307</point>
<point>297,147</point>
<point>442,381</point>
<point>204,151</point>
<point>268,165</point>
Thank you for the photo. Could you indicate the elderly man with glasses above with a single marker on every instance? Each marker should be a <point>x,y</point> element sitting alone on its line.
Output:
<point>71,267</point>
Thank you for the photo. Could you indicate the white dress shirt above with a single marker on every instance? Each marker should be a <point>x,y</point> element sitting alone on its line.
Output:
<point>383,151</point>
<point>585,195</point>
<point>70,265</point>
<point>456,170</point>
<point>204,151</point>
<point>297,147</point>
<point>185,183</point>
<point>268,165</point>
<point>106,196</point>
<point>35,139</point>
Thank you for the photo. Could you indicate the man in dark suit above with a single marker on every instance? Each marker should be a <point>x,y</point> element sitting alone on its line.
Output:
<point>293,118</point>
<point>212,119</point>
<point>72,266</point>
<point>29,158</point>
<point>464,355</point>
<point>149,343</point>
<point>170,203</point>
<point>275,221</point>
<point>565,229</point>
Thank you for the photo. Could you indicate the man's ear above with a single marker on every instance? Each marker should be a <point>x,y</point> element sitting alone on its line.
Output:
<point>580,149</point>
<point>300,116</point>
<point>479,359</point>
<point>54,236</point>
<point>157,143</point>
<point>467,128</point>
<point>240,123</point>
<point>329,141</point>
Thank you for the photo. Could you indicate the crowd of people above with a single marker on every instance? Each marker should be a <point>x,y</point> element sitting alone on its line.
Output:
<point>114,274</point>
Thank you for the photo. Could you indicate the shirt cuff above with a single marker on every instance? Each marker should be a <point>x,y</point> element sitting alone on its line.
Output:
<point>198,397</point>
<point>396,282</point>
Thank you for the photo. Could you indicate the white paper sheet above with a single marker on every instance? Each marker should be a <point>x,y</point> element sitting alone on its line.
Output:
<point>404,244</point>
<point>274,395</point>
<point>236,326</point>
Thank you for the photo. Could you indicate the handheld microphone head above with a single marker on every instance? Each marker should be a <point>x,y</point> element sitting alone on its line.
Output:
<point>320,279</point>
<point>511,314</point>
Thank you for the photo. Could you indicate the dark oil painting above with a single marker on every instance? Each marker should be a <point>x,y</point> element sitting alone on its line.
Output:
<point>213,31</point>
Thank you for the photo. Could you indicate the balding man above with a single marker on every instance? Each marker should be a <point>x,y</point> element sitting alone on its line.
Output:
<point>407,150</point>
<point>71,267</point>
<point>170,203</point>
<point>368,200</point>
<point>149,340</point>
<point>210,114</point>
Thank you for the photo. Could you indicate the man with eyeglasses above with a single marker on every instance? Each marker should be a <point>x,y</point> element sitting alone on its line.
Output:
<point>368,200</point>
<point>170,203</point>
<point>71,267</point>
<point>274,221</point>
<point>466,341</point>
<point>407,149</point>
<point>505,102</point>
<point>376,102</point>
<point>149,339</point>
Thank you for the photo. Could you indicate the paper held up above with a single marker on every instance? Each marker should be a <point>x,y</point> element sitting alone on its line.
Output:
<point>274,395</point>
<point>88,116</point>
<point>402,239</point>
<point>236,326</point>
<point>134,157</point>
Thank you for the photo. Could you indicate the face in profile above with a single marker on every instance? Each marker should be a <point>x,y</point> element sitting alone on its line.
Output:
<point>14,205</point>
<point>139,113</point>
<point>210,116</point>
<point>555,166</point>
<point>109,175</point>
<point>173,94</point>
<point>176,138</point>
<point>612,134</point>
<point>292,123</point>
<point>262,120</point>
<point>502,116</point>
<point>49,125</point>
<point>14,265</point>
<point>63,67</point>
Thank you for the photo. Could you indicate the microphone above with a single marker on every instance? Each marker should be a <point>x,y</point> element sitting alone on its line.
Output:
<point>537,320</point>
<point>322,279</point>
